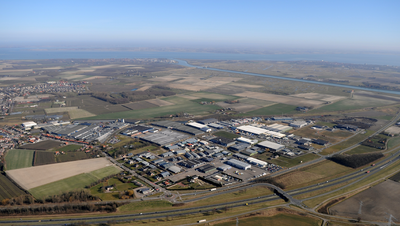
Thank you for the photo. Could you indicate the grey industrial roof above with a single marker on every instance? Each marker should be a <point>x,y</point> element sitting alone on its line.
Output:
<point>179,127</point>
<point>164,137</point>
<point>238,163</point>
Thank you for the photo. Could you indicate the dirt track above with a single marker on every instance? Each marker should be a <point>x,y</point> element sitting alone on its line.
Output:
<point>36,176</point>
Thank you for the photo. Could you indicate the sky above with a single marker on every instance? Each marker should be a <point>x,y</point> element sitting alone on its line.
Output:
<point>342,25</point>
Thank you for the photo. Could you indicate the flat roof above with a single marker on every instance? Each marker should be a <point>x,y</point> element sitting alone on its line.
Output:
<point>272,145</point>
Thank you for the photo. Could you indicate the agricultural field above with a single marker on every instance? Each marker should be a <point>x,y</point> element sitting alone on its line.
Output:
<point>286,161</point>
<point>72,156</point>
<point>32,177</point>
<point>113,195</point>
<point>393,142</point>
<point>43,158</point>
<point>181,105</point>
<point>289,100</point>
<point>73,112</point>
<point>77,182</point>
<point>357,102</point>
<point>19,158</point>
<point>275,109</point>
<point>42,145</point>
<point>312,174</point>
<point>378,201</point>
<point>93,105</point>
<point>330,136</point>
<point>281,219</point>
<point>347,143</point>
<point>70,147</point>
<point>361,150</point>
<point>8,189</point>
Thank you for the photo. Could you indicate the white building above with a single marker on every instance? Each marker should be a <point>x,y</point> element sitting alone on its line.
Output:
<point>298,124</point>
<point>28,125</point>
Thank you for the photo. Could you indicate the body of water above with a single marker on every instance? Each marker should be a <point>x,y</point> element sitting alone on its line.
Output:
<point>28,54</point>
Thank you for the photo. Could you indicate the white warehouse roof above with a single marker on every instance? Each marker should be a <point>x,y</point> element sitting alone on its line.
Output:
<point>271,145</point>
<point>29,124</point>
<point>252,129</point>
<point>257,161</point>
<point>196,125</point>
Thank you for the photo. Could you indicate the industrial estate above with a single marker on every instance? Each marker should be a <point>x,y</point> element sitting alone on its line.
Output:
<point>155,142</point>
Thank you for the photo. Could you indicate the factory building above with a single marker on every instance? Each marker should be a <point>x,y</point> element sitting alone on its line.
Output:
<point>28,125</point>
<point>238,164</point>
<point>223,141</point>
<point>208,121</point>
<point>257,162</point>
<point>271,145</point>
<point>298,124</point>
<point>199,126</point>
<point>246,140</point>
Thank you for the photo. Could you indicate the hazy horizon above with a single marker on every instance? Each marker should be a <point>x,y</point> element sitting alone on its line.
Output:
<point>339,26</point>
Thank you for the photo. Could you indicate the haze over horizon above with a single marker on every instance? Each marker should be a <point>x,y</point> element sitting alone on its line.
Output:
<point>283,25</point>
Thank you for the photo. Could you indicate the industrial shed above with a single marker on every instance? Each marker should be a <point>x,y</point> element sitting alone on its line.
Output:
<point>208,121</point>
<point>174,169</point>
<point>238,164</point>
<point>271,145</point>
<point>298,124</point>
<point>223,141</point>
<point>206,168</point>
<point>257,162</point>
<point>224,168</point>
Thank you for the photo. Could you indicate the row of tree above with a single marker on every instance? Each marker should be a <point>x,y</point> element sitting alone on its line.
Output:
<point>61,209</point>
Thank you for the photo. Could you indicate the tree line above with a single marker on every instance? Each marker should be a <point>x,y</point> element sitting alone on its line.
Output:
<point>61,209</point>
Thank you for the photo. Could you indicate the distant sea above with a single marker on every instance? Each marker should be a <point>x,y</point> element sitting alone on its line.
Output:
<point>26,54</point>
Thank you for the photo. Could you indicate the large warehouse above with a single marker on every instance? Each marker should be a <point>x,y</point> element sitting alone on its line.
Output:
<point>271,145</point>
<point>258,131</point>
<point>238,164</point>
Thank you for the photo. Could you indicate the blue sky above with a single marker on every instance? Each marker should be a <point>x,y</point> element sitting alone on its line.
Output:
<point>341,25</point>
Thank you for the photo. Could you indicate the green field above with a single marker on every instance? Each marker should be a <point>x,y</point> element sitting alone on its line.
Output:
<point>352,104</point>
<point>226,135</point>
<point>8,189</point>
<point>290,162</point>
<point>393,142</point>
<point>119,186</point>
<point>181,105</point>
<point>347,143</point>
<point>71,147</point>
<point>72,156</point>
<point>279,219</point>
<point>145,206</point>
<point>19,158</point>
<point>276,109</point>
<point>361,150</point>
<point>77,182</point>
